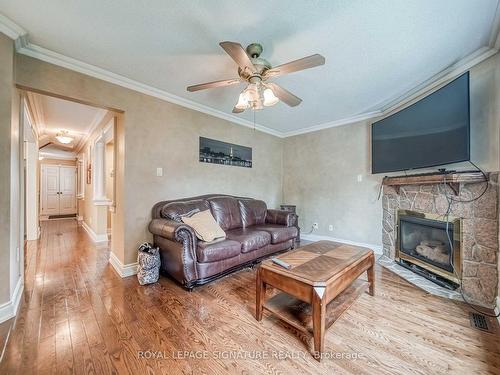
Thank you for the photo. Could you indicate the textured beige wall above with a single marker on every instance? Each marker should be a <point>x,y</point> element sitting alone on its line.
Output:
<point>6,80</point>
<point>320,176</point>
<point>321,168</point>
<point>162,134</point>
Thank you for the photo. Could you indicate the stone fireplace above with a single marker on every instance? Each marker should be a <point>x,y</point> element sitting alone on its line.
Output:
<point>478,220</point>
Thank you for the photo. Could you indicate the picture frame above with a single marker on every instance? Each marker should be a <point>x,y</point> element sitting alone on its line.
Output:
<point>217,152</point>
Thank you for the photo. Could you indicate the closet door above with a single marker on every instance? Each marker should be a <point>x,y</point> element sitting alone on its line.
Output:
<point>67,190</point>
<point>50,190</point>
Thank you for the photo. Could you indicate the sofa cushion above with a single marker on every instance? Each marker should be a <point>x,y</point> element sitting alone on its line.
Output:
<point>253,211</point>
<point>279,233</point>
<point>226,212</point>
<point>250,239</point>
<point>204,225</point>
<point>175,210</point>
<point>207,252</point>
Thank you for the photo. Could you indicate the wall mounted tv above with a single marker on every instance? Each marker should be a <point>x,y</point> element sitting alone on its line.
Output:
<point>433,131</point>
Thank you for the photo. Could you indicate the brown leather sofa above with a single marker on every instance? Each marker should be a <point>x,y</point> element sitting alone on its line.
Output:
<point>253,232</point>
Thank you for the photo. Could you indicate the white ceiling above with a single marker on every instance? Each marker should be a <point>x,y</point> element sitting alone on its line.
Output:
<point>376,51</point>
<point>53,115</point>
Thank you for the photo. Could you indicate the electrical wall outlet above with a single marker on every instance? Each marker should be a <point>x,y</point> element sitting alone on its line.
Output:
<point>330,228</point>
<point>315,225</point>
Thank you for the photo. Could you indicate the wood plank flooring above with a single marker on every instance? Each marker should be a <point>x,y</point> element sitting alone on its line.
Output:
<point>78,316</point>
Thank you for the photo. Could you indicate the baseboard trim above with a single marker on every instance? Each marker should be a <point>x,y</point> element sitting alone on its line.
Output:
<point>8,310</point>
<point>123,270</point>
<point>97,238</point>
<point>377,249</point>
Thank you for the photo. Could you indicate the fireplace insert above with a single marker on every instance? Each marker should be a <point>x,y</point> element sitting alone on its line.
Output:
<point>430,246</point>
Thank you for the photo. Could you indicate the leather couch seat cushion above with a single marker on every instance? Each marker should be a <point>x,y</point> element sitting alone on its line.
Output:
<point>278,233</point>
<point>253,211</point>
<point>250,239</point>
<point>207,252</point>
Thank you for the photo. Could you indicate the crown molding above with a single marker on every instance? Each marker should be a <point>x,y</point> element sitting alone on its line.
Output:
<point>27,48</point>
<point>438,80</point>
<point>425,88</point>
<point>92,127</point>
<point>332,124</point>
<point>38,115</point>
<point>10,28</point>
<point>24,46</point>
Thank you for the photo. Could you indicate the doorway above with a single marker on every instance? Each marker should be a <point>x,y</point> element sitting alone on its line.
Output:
<point>76,162</point>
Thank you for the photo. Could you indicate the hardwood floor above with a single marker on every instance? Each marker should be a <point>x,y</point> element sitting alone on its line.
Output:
<point>78,316</point>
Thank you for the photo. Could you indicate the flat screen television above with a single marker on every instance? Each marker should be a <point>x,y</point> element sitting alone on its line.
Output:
<point>431,132</point>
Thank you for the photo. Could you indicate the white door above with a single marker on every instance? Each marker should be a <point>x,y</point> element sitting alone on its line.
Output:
<point>67,187</point>
<point>58,190</point>
<point>50,190</point>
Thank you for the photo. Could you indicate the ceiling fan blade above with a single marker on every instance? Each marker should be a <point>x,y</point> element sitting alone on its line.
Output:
<point>238,54</point>
<point>294,66</point>
<point>211,85</point>
<point>284,95</point>
<point>238,110</point>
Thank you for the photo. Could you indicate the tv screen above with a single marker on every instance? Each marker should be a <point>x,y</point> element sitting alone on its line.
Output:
<point>433,131</point>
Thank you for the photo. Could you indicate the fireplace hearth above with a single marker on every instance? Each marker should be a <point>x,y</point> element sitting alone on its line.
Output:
<point>430,245</point>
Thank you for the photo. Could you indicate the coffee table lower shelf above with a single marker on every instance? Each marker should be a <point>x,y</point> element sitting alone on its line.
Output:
<point>298,314</point>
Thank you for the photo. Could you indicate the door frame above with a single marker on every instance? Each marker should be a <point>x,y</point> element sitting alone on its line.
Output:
<point>43,214</point>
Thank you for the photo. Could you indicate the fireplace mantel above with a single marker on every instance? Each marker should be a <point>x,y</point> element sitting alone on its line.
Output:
<point>453,180</point>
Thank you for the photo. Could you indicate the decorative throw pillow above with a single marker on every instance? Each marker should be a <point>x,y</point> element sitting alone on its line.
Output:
<point>204,225</point>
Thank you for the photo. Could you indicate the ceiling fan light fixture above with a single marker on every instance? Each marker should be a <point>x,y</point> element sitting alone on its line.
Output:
<point>63,137</point>
<point>256,105</point>
<point>269,98</point>
<point>256,70</point>
<point>242,102</point>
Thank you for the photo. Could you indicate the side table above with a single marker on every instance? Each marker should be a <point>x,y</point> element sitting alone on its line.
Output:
<point>293,208</point>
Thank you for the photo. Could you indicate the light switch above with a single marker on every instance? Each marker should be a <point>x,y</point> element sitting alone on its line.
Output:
<point>360,177</point>
<point>159,172</point>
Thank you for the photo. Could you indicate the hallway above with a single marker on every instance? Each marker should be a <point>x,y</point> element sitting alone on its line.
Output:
<point>67,285</point>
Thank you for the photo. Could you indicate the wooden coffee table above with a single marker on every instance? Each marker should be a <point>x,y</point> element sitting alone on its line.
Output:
<point>323,278</point>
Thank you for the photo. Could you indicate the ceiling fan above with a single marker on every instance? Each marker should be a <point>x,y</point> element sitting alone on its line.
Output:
<point>256,71</point>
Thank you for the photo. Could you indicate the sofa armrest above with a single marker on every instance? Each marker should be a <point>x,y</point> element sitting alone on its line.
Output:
<point>172,230</point>
<point>177,243</point>
<point>281,217</point>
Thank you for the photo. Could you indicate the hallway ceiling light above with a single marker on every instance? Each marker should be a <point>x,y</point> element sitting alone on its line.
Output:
<point>63,137</point>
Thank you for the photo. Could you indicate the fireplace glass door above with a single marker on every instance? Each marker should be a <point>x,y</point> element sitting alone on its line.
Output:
<point>426,240</point>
